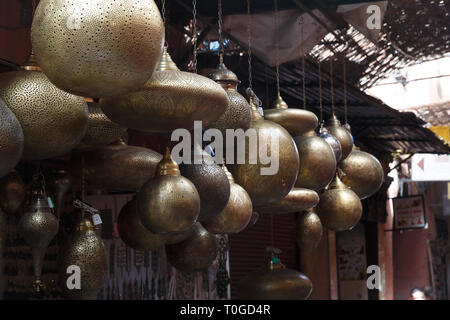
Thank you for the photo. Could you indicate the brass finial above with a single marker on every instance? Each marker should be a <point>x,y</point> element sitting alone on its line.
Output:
<point>31,64</point>
<point>223,75</point>
<point>255,113</point>
<point>279,103</point>
<point>167,166</point>
<point>337,183</point>
<point>166,63</point>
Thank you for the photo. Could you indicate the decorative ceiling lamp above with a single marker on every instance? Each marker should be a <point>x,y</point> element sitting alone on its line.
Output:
<point>168,202</point>
<point>210,181</point>
<point>38,226</point>
<point>196,253</point>
<point>97,48</point>
<point>274,281</point>
<point>317,159</point>
<point>12,193</point>
<point>297,122</point>
<point>333,125</point>
<point>84,249</point>
<point>53,121</point>
<point>237,114</point>
<point>100,130</point>
<point>170,100</point>
<point>11,140</point>
<point>133,232</point>
<point>339,208</point>
<point>362,172</point>
<point>298,199</point>
<point>275,140</point>
<point>237,214</point>
<point>309,230</point>
<point>137,165</point>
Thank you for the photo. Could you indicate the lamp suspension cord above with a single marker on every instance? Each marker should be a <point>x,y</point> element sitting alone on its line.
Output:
<point>319,74</point>
<point>220,23</point>
<point>83,185</point>
<point>277,47</point>
<point>249,41</point>
<point>303,66</point>
<point>345,89</point>
<point>163,14</point>
<point>332,86</point>
<point>194,31</point>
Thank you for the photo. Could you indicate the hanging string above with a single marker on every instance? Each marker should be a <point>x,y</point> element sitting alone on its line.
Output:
<point>277,47</point>
<point>303,67</point>
<point>83,184</point>
<point>249,39</point>
<point>319,73</point>
<point>194,31</point>
<point>345,90</point>
<point>332,86</point>
<point>33,7</point>
<point>221,52</point>
<point>266,80</point>
<point>163,14</point>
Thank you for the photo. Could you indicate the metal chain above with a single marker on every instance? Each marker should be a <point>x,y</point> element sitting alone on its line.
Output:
<point>319,73</point>
<point>220,22</point>
<point>249,39</point>
<point>332,85</point>
<point>345,90</point>
<point>163,13</point>
<point>194,30</point>
<point>277,47</point>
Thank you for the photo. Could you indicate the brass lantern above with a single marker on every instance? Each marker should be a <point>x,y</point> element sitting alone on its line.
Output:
<point>97,48</point>
<point>170,100</point>
<point>339,208</point>
<point>309,230</point>
<point>196,253</point>
<point>11,140</point>
<point>362,172</point>
<point>53,121</point>
<point>265,188</point>
<point>333,142</point>
<point>100,130</point>
<point>274,281</point>
<point>38,226</point>
<point>344,136</point>
<point>237,214</point>
<point>237,114</point>
<point>317,162</point>
<point>168,202</point>
<point>12,193</point>
<point>119,167</point>
<point>296,121</point>
<point>84,249</point>
<point>298,199</point>
<point>210,181</point>
<point>133,232</point>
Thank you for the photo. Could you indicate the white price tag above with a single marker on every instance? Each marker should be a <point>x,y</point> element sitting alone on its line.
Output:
<point>96,219</point>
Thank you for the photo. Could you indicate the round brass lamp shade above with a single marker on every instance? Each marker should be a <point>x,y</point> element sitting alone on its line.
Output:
<point>298,199</point>
<point>170,100</point>
<point>309,230</point>
<point>97,48</point>
<point>11,140</point>
<point>344,136</point>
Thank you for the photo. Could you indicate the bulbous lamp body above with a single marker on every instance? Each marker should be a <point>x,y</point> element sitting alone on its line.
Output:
<point>298,199</point>
<point>344,136</point>
<point>309,230</point>
<point>11,140</point>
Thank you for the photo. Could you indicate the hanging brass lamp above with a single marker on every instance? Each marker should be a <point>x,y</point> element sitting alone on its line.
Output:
<point>38,226</point>
<point>362,172</point>
<point>238,114</point>
<point>11,140</point>
<point>119,167</point>
<point>317,162</point>
<point>170,100</point>
<point>265,188</point>
<point>97,48</point>
<point>296,121</point>
<point>334,127</point>
<point>196,253</point>
<point>274,281</point>
<point>339,208</point>
<point>333,142</point>
<point>309,230</point>
<point>84,249</point>
<point>210,181</point>
<point>53,121</point>
<point>237,214</point>
<point>298,199</point>
<point>133,232</point>
<point>169,202</point>
<point>12,193</point>
<point>100,130</point>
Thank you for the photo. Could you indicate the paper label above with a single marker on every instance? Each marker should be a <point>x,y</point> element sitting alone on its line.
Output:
<point>96,219</point>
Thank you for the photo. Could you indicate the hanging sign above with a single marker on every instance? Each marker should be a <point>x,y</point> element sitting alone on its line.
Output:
<point>409,212</point>
<point>430,167</point>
